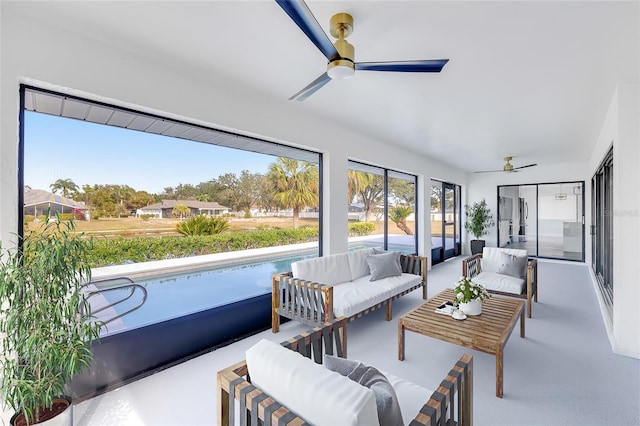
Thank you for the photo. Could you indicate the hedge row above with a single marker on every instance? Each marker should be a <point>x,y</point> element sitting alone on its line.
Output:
<point>361,228</point>
<point>121,251</point>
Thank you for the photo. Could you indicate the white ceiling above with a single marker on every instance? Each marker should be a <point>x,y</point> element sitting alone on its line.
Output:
<point>532,80</point>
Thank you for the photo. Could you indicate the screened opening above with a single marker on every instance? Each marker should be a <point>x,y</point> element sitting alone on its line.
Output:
<point>382,208</point>
<point>192,220</point>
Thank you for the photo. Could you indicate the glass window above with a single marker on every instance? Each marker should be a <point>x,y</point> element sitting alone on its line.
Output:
<point>602,228</point>
<point>147,188</point>
<point>382,208</point>
<point>445,221</point>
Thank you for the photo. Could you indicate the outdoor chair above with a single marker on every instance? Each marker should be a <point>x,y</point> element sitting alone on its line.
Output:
<point>507,272</point>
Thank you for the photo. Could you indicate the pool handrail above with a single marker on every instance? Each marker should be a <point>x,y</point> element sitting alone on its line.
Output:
<point>132,288</point>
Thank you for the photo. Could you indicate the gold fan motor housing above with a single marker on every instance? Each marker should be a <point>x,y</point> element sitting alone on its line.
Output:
<point>508,167</point>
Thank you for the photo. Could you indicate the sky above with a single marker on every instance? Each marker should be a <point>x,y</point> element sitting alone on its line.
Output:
<point>89,154</point>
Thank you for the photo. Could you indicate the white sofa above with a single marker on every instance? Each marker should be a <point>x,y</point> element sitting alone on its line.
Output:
<point>287,387</point>
<point>320,289</point>
<point>508,272</point>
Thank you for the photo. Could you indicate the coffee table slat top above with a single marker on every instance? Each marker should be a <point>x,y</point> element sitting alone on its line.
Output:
<point>486,332</point>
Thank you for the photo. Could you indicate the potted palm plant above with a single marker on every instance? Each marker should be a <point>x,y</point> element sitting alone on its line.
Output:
<point>478,221</point>
<point>45,320</point>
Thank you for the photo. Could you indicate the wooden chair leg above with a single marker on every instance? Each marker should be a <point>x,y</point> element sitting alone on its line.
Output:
<point>275,304</point>
<point>223,406</point>
<point>389,310</point>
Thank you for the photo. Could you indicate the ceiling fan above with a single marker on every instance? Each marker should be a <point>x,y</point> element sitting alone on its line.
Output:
<point>508,167</point>
<point>341,53</point>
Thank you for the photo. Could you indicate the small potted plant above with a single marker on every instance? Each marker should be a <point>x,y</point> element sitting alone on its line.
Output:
<point>45,320</point>
<point>469,296</point>
<point>478,221</point>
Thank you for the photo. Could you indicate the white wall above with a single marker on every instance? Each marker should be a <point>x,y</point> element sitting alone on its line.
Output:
<point>621,127</point>
<point>55,58</point>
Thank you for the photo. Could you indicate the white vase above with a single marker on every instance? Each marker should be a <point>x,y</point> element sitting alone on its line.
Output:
<point>473,307</point>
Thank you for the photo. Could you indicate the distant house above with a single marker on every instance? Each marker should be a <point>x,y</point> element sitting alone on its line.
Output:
<point>164,209</point>
<point>38,201</point>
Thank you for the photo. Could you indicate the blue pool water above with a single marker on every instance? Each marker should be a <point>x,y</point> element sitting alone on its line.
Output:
<point>172,296</point>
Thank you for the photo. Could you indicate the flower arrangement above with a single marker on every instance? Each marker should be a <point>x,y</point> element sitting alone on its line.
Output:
<point>466,291</point>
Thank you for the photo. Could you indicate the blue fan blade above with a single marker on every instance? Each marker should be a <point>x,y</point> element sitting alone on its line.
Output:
<point>432,65</point>
<point>311,88</point>
<point>302,16</point>
<point>524,167</point>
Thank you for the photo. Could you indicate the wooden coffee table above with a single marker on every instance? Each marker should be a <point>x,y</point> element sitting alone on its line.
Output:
<point>487,332</point>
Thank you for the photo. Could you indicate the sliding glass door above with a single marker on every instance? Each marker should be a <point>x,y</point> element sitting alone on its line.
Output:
<point>547,220</point>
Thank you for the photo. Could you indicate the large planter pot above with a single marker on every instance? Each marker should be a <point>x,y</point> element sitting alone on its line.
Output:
<point>62,412</point>
<point>477,246</point>
<point>473,307</point>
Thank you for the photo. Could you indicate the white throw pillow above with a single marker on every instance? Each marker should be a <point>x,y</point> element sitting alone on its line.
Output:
<point>319,396</point>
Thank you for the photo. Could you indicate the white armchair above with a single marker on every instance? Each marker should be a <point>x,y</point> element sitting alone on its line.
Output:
<point>508,272</point>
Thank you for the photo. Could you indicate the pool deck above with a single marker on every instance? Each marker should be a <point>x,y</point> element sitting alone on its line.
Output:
<point>145,269</point>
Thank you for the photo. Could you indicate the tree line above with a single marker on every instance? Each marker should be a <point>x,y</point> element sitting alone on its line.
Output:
<point>288,184</point>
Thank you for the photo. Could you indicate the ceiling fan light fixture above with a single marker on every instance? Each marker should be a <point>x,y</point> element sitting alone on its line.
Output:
<point>341,69</point>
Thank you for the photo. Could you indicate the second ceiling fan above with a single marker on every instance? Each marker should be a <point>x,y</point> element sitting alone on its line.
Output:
<point>508,167</point>
<point>341,53</point>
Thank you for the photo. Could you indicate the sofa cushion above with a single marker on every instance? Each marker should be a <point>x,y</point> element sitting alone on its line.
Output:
<point>353,297</point>
<point>314,393</point>
<point>383,265</point>
<point>360,294</point>
<point>386,399</point>
<point>500,282</point>
<point>328,270</point>
<point>491,258</point>
<point>515,266</point>
<point>358,263</point>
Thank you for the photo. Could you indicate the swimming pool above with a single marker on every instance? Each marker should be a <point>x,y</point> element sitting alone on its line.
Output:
<point>171,296</point>
<point>177,295</point>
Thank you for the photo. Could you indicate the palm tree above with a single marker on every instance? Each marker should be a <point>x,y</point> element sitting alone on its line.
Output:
<point>357,182</point>
<point>180,210</point>
<point>398,215</point>
<point>295,184</point>
<point>66,186</point>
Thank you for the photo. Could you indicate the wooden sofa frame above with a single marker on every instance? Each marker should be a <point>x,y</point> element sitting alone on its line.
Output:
<point>451,403</point>
<point>472,266</point>
<point>312,303</point>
